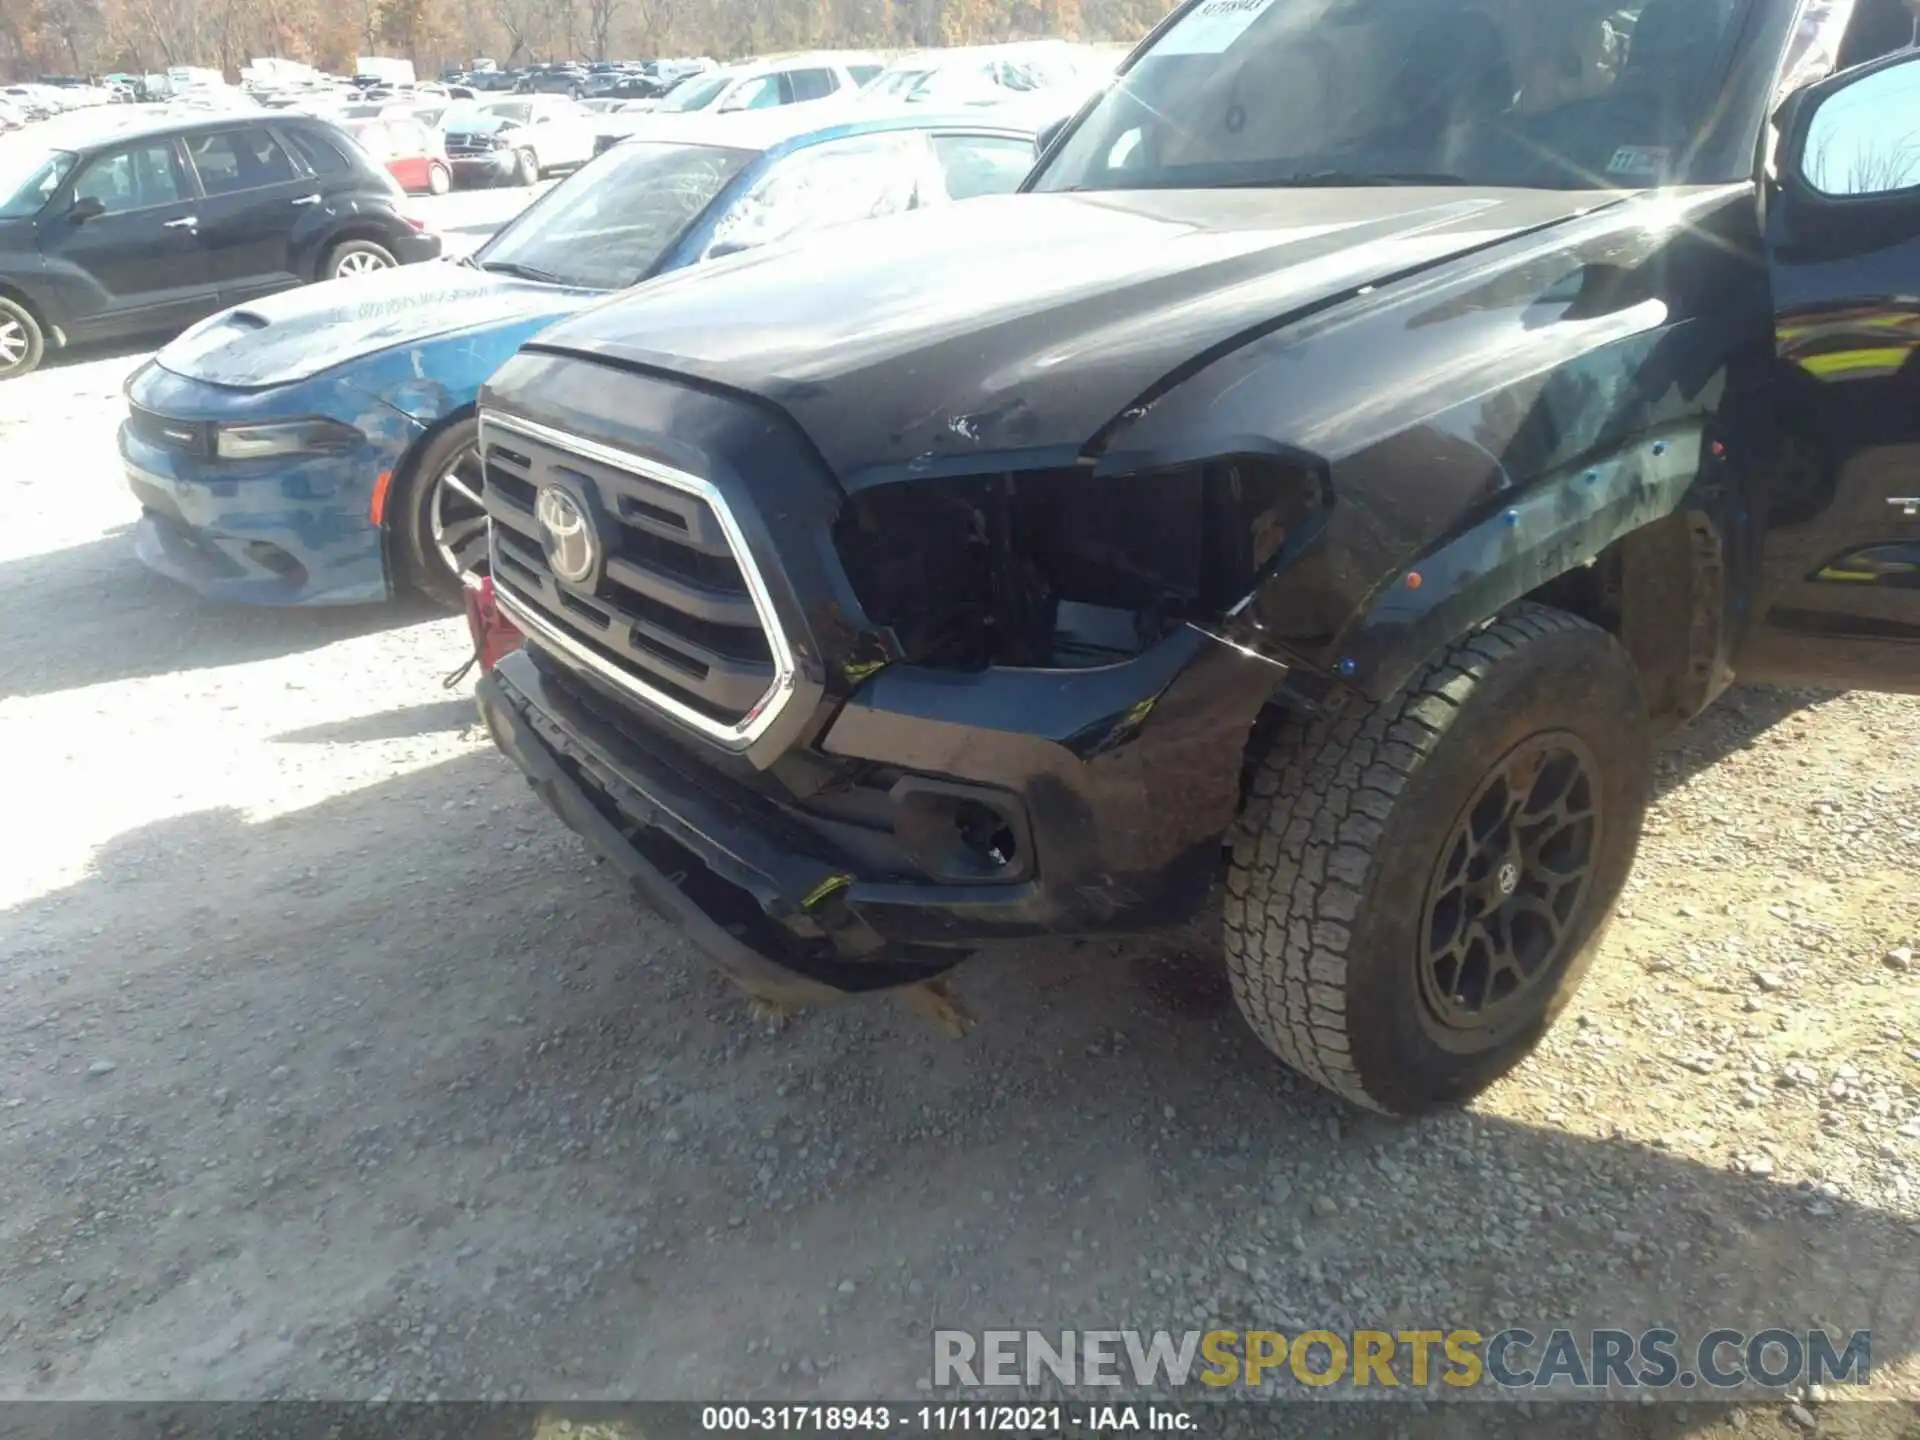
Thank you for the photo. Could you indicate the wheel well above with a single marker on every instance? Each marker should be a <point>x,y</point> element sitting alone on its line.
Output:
<point>49,331</point>
<point>352,230</point>
<point>406,472</point>
<point>1638,589</point>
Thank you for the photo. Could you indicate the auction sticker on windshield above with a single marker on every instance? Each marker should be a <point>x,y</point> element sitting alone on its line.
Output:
<point>1211,27</point>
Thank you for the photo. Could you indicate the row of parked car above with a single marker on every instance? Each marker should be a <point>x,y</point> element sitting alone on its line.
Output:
<point>586,80</point>
<point>518,139</point>
<point>40,100</point>
<point>432,137</point>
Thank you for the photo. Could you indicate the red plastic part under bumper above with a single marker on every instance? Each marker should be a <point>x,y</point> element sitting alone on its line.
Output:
<point>493,634</point>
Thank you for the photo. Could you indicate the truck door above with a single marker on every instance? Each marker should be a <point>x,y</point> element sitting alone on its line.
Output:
<point>1838,602</point>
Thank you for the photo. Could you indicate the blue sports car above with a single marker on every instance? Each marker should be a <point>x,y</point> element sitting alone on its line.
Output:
<point>318,446</point>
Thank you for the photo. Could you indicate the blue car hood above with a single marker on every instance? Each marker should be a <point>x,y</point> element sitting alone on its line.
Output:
<point>300,333</point>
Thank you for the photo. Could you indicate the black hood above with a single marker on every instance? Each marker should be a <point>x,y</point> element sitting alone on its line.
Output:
<point>1027,322</point>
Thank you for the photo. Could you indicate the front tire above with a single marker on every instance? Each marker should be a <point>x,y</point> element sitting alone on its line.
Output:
<point>526,168</point>
<point>439,179</point>
<point>440,522</point>
<point>1418,886</point>
<point>22,342</point>
<point>356,257</point>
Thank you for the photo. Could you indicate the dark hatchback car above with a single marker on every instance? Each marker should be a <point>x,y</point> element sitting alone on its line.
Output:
<point>1377,420</point>
<point>626,85</point>
<point>144,228</point>
<point>555,80</point>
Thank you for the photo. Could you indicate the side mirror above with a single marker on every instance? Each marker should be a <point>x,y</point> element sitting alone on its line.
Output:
<point>87,207</point>
<point>1048,133</point>
<point>1856,136</point>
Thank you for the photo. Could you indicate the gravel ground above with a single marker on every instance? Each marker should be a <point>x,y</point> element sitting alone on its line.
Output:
<point>330,1066</point>
<point>467,217</point>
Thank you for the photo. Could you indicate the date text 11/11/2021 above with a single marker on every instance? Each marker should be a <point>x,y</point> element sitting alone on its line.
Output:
<point>986,1419</point>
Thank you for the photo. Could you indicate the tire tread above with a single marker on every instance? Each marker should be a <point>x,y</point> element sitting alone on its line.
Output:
<point>1305,845</point>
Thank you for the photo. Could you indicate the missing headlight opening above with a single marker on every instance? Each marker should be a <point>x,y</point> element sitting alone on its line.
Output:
<point>1063,569</point>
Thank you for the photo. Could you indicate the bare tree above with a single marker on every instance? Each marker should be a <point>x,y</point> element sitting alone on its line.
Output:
<point>172,26</point>
<point>600,17</point>
<point>516,19</point>
<point>474,34</point>
<point>1843,160</point>
<point>228,22</point>
<point>553,25</point>
<point>76,26</point>
<point>656,24</point>
<point>401,23</point>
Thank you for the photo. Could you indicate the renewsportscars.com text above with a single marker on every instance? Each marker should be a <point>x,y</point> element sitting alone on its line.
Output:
<point>1558,1359</point>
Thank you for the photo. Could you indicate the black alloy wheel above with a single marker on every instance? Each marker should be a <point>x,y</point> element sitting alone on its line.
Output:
<point>1508,886</point>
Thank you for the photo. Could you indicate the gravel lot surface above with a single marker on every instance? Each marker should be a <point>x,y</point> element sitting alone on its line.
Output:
<point>466,217</point>
<point>330,1066</point>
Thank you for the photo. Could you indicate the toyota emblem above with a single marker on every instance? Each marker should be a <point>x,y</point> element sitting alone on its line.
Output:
<point>567,536</point>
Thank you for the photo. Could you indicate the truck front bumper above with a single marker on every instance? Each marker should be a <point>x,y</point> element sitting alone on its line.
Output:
<point>487,168</point>
<point>1112,827</point>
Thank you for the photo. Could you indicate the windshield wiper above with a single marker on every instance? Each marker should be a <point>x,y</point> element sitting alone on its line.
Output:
<point>525,272</point>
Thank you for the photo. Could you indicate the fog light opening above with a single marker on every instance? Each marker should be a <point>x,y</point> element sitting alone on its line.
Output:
<point>272,558</point>
<point>959,835</point>
<point>986,834</point>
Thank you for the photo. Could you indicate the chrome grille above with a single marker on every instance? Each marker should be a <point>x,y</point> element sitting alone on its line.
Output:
<point>679,618</point>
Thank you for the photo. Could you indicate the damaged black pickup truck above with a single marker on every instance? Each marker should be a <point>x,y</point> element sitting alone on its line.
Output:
<point>1373,422</point>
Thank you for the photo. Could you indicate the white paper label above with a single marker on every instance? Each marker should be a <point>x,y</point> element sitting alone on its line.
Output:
<point>1211,27</point>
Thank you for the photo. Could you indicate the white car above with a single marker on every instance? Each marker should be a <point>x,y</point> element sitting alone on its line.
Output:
<point>760,85</point>
<point>968,75</point>
<point>36,102</point>
<point>518,138</point>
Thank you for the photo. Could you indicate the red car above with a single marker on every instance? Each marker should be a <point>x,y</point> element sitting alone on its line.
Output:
<point>413,154</point>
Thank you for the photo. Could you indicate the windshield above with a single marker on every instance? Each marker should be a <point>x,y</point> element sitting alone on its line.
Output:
<point>474,123</point>
<point>607,226</point>
<point>1561,94</point>
<point>28,178</point>
<point>515,110</point>
<point>898,84</point>
<point>695,94</point>
<point>963,85</point>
